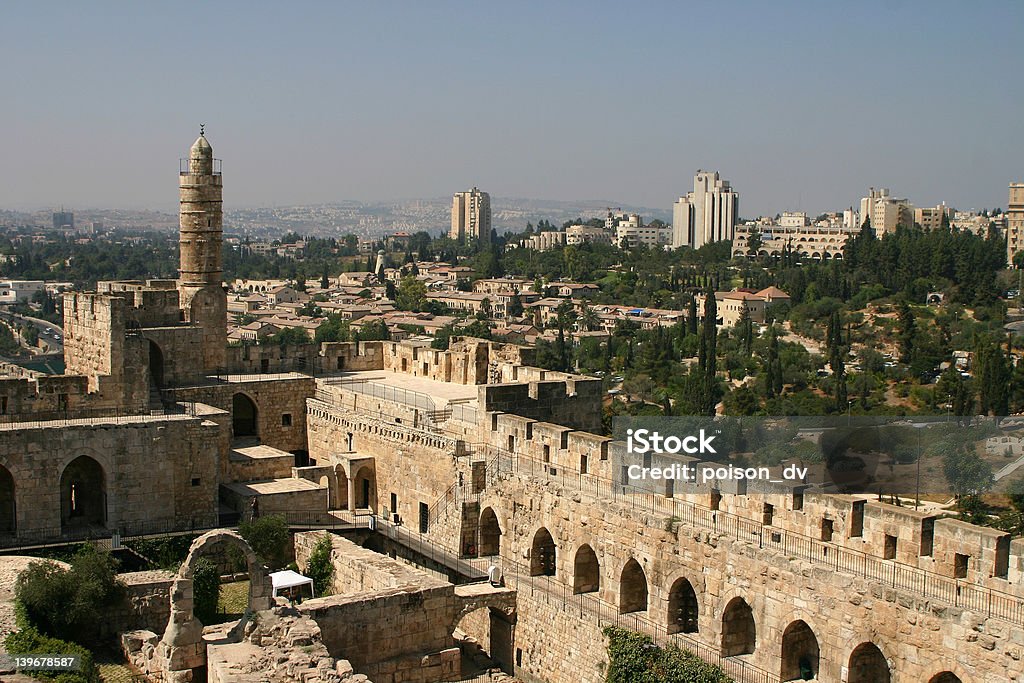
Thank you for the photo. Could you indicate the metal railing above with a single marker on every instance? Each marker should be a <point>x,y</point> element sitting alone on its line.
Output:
<point>97,415</point>
<point>368,387</point>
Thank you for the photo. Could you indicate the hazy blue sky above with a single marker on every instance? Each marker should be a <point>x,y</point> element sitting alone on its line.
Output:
<point>800,105</point>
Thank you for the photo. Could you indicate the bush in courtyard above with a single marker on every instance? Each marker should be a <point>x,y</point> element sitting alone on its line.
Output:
<point>320,567</point>
<point>68,603</point>
<point>205,590</point>
<point>163,553</point>
<point>29,641</point>
<point>269,538</point>
<point>634,658</point>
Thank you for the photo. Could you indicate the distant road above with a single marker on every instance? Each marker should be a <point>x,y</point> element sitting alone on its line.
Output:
<point>53,345</point>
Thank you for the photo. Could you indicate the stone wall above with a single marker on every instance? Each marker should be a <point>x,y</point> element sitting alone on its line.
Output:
<point>397,634</point>
<point>146,604</point>
<point>418,467</point>
<point>275,398</point>
<point>842,610</point>
<point>574,402</point>
<point>359,570</point>
<point>155,470</point>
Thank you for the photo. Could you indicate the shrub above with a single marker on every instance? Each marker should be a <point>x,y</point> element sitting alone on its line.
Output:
<point>269,538</point>
<point>634,658</point>
<point>163,553</point>
<point>205,590</point>
<point>29,641</point>
<point>320,567</point>
<point>68,603</point>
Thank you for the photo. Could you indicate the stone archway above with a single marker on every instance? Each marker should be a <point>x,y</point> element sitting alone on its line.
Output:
<point>683,608</point>
<point>244,416</point>
<point>632,588</point>
<point>739,633</point>
<point>586,571</point>
<point>542,554</point>
<point>8,510</point>
<point>490,534</point>
<point>945,677</point>
<point>83,494</point>
<point>800,652</point>
<point>156,365</point>
<point>182,645</point>
<point>868,665</point>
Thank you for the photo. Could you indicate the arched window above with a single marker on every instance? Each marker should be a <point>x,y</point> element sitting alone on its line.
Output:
<point>542,554</point>
<point>586,571</point>
<point>243,416</point>
<point>490,534</point>
<point>8,512</point>
<point>683,610</point>
<point>632,588</point>
<point>799,653</point>
<point>868,665</point>
<point>739,634</point>
<point>83,494</point>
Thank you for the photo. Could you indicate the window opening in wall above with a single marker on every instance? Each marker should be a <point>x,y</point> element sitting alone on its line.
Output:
<point>960,562</point>
<point>857,521</point>
<point>889,552</point>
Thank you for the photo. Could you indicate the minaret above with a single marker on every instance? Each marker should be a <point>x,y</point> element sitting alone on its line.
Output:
<point>202,297</point>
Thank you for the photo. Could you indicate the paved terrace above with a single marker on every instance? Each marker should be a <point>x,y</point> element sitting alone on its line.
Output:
<point>442,393</point>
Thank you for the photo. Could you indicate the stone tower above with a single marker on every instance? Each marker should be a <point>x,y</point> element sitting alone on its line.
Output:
<point>203,300</point>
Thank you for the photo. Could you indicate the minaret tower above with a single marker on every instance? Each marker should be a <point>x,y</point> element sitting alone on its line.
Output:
<point>202,297</point>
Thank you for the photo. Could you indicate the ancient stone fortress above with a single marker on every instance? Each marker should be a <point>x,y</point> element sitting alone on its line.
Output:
<point>440,464</point>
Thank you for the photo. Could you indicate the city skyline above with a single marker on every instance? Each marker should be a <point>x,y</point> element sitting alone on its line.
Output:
<point>801,109</point>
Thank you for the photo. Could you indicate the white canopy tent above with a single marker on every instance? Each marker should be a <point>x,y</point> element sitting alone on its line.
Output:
<point>286,579</point>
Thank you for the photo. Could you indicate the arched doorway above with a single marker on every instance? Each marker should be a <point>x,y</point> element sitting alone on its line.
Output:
<point>8,511</point>
<point>945,677</point>
<point>739,634</point>
<point>542,554</point>
<point>365,483</point>
<point>586,571</point>
<point>490,534</point>
<point>156,365</point>
<point>868,665</point>
<point>632,588</point>
<point>799,653</point>
<point>683,610</point>
<point>243,416</point>
<point>83,494</point>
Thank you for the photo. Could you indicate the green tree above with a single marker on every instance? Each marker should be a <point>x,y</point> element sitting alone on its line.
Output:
<point>205,590</point>
<point>412,294</point>
<point>320,567</point>
<point>269,538</point>
<point>68,603</point>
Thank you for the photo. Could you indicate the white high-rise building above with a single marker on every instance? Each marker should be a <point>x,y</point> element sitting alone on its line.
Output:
<point>706,215</point>
<point>471,216</point>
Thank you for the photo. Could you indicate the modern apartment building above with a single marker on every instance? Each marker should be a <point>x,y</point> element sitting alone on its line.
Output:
<point>885,211</point>
<point>471,216</point>
<point>708,214</point>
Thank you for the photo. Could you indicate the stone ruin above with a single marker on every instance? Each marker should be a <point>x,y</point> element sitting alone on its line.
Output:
<point>271,643</point>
